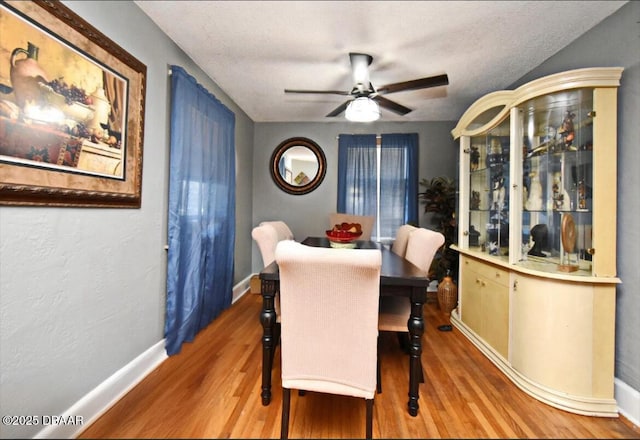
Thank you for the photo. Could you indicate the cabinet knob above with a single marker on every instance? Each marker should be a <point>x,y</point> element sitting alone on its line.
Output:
<point>465,233</point>
<point>591,251</point>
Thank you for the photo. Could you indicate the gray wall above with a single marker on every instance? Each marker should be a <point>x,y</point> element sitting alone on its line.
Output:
<point>309,214</point>
<point>83,290</point>
<point>616,42</point>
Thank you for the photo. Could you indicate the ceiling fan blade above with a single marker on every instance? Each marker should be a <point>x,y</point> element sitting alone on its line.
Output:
<point>422,83</point>
<point>391,105</point>
<point>326,92</point>
<point>342,107</point>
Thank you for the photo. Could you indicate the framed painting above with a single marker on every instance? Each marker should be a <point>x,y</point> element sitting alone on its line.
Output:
<point>71,111</point>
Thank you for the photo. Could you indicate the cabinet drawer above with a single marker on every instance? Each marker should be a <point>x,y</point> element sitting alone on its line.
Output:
<point>487,271</point>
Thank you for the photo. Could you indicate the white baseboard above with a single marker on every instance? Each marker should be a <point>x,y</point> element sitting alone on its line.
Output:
<point>105,395</point>
<point>241,288</point>
<point>628,401</point>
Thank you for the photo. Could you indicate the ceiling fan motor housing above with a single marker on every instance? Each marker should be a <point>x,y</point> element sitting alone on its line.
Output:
<point>360,70</point>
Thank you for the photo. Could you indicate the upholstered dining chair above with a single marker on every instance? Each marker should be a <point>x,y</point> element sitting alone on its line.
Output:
<point>399,245</point>
<point>329,326</point>
<point>395,311</point>
<point>267,235</point>
<point>283,230</point>
<point>366,222</point>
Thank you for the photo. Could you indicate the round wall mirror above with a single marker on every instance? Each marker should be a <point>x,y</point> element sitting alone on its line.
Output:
<point>298,165</point>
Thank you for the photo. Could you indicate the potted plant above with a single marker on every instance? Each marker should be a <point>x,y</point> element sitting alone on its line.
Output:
<point>439,198</point>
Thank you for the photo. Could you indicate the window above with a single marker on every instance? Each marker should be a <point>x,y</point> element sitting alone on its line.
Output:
<point>378,175</point>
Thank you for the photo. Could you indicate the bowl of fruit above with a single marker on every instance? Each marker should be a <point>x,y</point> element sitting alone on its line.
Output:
<point>71,100</point>
<point>344,235</point>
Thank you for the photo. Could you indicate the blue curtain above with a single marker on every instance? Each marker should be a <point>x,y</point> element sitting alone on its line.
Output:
<point>399,181</point>
<point>201,210</point>
<point>358,173</point>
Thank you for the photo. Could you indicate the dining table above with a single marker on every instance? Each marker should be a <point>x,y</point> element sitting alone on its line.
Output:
<point>398,276</point>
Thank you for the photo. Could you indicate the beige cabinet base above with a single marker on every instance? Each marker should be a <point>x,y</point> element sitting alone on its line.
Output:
<point>588,406</point>
<point>553,338</point>
<point>486,302</point>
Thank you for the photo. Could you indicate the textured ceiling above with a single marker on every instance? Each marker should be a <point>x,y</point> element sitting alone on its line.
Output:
<point>254,50</point>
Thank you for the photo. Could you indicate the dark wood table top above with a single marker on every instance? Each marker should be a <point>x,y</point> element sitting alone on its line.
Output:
<point>395,271</point>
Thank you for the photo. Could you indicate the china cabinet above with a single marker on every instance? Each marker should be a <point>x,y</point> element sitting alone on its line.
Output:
<point>537,235</point>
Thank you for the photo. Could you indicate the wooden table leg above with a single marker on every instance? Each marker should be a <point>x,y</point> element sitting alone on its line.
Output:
<point>416,329</point>
<point>268,320</point>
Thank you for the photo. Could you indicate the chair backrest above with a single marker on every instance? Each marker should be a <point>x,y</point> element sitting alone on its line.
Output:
<point>399,246</point>
<point>329,318</point>
<point>422,247</point>
<point>284,233</point>
<point>267,235</point>
<point>366,222</point>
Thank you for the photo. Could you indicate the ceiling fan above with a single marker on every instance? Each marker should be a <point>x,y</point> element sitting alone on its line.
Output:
<point>363,88</point>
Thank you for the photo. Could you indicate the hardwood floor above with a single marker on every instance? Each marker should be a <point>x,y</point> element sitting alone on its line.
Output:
<point>212,390</point>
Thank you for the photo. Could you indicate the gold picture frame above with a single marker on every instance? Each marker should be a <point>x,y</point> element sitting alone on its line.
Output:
<point>71,111</point>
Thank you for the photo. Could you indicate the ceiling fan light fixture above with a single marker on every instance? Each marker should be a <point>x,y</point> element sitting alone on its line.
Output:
<point>363,109</point>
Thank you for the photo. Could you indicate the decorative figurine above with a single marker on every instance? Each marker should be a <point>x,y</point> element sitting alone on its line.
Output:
<point>525,250</point>
<point>561,200</point>
<point>474,236</point>
<point>494,155</point>
<point>474,160</point>
<point>534,202</point>
<point>498,192</point>
<point>539,234</point>
<point>567,131</point>
<point>568,240</point>
<point>474,203</point>
<point>582,195</point>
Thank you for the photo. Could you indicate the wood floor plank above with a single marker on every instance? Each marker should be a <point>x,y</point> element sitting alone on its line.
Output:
<point>211,389</point>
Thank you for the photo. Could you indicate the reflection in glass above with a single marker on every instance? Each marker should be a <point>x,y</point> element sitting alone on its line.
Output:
<point>298,165</point>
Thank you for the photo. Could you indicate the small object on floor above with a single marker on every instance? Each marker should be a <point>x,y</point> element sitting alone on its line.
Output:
<point>445,328</point>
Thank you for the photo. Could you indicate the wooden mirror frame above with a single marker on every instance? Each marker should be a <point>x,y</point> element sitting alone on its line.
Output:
<point>282,149</point>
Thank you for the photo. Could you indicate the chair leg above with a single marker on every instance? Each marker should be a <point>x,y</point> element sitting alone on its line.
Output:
<point>369,418</point>
<point>286,401</point>
<point>403,340</point>
<point>378,375</point>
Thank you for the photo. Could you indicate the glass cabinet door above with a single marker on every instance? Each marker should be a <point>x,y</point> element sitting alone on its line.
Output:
<point>489,162</point>
<point>557,182</point>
